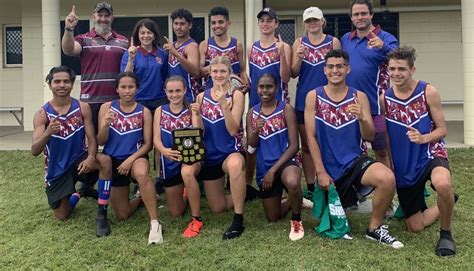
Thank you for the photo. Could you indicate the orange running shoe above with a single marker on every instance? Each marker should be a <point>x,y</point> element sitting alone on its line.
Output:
<point>193,228</point>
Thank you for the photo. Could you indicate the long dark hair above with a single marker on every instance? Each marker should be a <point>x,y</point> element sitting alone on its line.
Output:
<point>150,25</point>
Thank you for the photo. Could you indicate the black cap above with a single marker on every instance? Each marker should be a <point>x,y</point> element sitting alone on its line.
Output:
<point>269,11</point>
<point>103,5</point>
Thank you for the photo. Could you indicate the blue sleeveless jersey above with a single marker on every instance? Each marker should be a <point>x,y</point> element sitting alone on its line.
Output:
<point>410,159</point>
<point>338,133</point>
<point>263,61</point>
<point>125,132</point>
<point>170,121</point>
<point>230,51</point>
<point>64,148</point>
<point>175,68</point>
<point>312,68</point>
<point>273,138</point>
<point>219,143</point>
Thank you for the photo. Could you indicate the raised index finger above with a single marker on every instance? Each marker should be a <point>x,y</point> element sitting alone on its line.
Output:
<point>73,10</point>
<point>279,38</point>
<point>356,99</point>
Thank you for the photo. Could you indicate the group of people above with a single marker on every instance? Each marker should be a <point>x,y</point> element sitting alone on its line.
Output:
<point>343,99</point>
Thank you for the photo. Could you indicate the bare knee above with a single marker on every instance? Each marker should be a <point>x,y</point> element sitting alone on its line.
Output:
<point>217,208</point>
<point>177,212</point>
<point>415,227</point>
<point>187,172</point>
<point>105,162</point>
<point>272,217</point>
<point>236,163</point>
<point>293,186</point>
<point>443,187</point>
<point>61,215</point>
<point>122,215</point>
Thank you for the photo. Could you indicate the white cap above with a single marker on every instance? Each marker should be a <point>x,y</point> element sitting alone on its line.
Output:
<point>312,12</point>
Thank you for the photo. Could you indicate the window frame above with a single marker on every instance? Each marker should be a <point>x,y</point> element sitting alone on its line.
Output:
<point>4,46</point>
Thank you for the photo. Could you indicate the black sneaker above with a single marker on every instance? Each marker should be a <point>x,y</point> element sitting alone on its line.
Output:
<point>102,227</point>
<point>87,191</point>
<point>382,236</point>
<point>233,232</point>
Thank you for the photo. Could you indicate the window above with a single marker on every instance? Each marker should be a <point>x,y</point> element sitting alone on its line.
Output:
<point>198,31</point>
<point>13,49</point>
<point>124,25</point>
<point>287,30</point>
<point>339,24</point>
<point>73,61</point>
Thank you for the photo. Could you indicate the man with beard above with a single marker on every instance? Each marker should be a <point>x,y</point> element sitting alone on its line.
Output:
<point>100,51</point>
<point>368,46</point>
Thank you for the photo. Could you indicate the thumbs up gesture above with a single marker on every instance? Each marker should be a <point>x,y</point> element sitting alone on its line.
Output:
<point>356,108</point>
<point>415,136</point>
<point>71,19</point>
<point>374,41</point>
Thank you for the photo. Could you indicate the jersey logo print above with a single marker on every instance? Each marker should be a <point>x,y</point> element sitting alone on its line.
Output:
<point>170,122</point>
<point>274,124</point>
<point>172,60</point>
<point>314,56</point>
<point>262,59</point>
<point>230,53</point>
<point>335,115</point>
<point>70,124</point>
<point>211,111</point>
<point>125,124</point>
<point>406,113</point>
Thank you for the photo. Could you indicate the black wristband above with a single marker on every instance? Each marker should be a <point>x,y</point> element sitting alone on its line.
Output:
<point>69,29</point>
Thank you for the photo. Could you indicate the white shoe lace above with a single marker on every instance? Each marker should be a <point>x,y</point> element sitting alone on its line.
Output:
<point>383,233</point>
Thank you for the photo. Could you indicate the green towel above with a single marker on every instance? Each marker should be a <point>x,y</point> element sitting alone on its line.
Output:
<point>328,208</point>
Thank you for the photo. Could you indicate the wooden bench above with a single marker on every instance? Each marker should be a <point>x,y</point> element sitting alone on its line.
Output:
<point>17,112</point>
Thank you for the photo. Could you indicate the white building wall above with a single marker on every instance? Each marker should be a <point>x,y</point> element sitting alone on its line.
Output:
<point>11,79</point>
<point>437,39</point>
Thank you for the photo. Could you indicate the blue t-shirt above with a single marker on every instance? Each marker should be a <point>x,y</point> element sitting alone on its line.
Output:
<point>369,71</point>
<point>151,70</point>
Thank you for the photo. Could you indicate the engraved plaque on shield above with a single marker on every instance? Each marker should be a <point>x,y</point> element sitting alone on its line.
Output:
<point>189,143</point>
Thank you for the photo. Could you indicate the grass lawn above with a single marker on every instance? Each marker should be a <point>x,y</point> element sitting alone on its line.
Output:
<point>31,239</point>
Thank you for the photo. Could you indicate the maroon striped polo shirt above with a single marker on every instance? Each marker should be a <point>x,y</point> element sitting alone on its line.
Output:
<point>100,63</point>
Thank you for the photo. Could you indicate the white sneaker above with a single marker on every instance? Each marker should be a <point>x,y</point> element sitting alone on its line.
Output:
<point>156,233</point>
<point>307,203</point>
<point>297,230</point>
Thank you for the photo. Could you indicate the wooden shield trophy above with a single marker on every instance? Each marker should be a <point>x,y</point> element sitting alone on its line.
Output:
<point>189,143</point>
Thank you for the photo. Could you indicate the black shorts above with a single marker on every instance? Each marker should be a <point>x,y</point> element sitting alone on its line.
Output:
<point>64,185</point>
<point>350,183</point>
<point>212,172</point>
<point>412,199</point>
<point>278,186</point>
<point>95,108</point>
<point>173,181</point>
<point>119,179</point>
